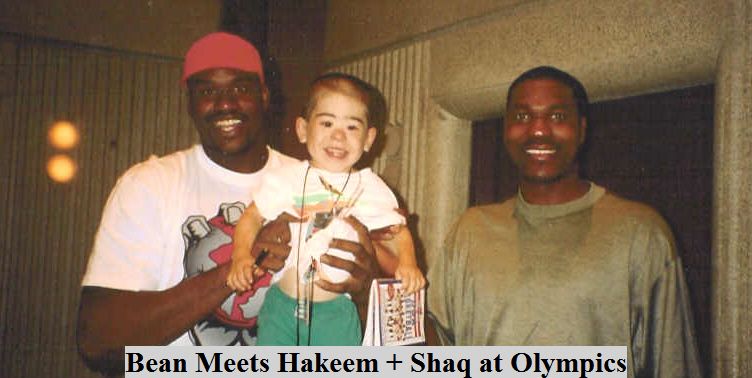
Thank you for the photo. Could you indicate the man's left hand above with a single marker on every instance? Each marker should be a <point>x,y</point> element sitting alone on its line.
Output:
<point>363,269</point>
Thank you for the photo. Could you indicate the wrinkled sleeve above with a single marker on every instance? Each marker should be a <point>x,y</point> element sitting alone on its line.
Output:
<point>664,343</point>
<point>376,207</point>
<point>441,288</point>
<point>128,246</point>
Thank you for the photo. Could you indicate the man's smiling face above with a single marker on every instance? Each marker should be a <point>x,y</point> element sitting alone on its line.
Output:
<point>543,130</point>
<point>227,107</point>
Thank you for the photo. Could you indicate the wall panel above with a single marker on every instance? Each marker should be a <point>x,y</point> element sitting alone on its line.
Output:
<point>417,133</point>
<point>127,106</point>
<point>401,75</point>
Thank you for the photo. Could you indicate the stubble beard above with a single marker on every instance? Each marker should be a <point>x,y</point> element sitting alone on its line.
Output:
<point>570,171</point>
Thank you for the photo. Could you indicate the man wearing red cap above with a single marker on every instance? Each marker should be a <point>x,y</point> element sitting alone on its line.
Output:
<point>158,267</point>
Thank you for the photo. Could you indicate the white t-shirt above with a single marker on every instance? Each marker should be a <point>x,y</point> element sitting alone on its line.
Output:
<point>300,189</point>
<point>172,217</point>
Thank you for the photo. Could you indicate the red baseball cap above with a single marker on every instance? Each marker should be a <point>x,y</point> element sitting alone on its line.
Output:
<point>222,50</point>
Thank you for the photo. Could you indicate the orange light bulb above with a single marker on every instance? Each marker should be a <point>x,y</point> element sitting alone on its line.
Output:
<point>61,168</point>
<point>63,135</point>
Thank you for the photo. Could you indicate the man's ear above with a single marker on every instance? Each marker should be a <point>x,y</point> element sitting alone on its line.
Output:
<point>265,97</point>
<point>300,128</point>
<point>583,129</point>
<point>189,101</point>
<point>370,138</point>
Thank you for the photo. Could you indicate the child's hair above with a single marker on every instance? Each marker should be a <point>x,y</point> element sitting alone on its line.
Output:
<point>351,86</point>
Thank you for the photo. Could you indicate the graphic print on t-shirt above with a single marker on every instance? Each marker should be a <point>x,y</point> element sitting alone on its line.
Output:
<point>318,208</point>
<point>208,243</point>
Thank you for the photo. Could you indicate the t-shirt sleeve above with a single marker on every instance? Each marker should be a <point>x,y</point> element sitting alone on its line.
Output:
<point>128,246</point>
<point>274,195</point>
<point>376,206</point>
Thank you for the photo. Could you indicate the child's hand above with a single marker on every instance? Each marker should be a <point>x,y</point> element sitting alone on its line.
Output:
<point>241,274</point>
<point>411,276</point>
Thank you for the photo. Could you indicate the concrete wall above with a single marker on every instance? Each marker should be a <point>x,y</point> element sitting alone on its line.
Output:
<point>357,27</point>
<point>617,48</point>
<point>160,27</point>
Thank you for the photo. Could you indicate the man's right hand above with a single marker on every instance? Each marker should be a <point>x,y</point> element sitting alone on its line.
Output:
<point>274,237</point>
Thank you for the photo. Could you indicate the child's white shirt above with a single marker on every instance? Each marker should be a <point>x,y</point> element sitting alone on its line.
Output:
<point>283,192</point>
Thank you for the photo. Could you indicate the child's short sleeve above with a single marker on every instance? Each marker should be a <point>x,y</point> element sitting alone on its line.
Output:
<point>377,206</point>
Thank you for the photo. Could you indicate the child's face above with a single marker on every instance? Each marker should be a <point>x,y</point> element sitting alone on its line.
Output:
<point>337,132</point>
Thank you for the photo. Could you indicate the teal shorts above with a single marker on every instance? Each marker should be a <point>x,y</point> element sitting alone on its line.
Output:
<point>333,322</point>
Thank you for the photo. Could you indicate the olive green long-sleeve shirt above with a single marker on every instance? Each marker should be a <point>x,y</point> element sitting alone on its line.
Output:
<point>599,270</point>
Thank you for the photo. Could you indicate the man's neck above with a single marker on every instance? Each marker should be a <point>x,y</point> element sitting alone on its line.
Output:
<point>249,161</point>
<point>554,193</point>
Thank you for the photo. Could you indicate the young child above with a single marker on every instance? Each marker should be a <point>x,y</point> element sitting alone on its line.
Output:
<point>340,124</point>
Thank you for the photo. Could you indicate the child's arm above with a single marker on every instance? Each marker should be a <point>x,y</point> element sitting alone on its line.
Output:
<point>385,252</point>
<point>241,273</point>
<point>407,270</point>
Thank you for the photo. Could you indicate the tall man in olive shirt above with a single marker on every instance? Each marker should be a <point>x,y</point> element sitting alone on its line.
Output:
<point>565,262</point>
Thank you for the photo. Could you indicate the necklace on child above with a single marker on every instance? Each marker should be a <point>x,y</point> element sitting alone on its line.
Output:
<point>304,306</point>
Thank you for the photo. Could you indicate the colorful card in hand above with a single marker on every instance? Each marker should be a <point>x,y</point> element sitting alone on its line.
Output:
<point>394,318</point>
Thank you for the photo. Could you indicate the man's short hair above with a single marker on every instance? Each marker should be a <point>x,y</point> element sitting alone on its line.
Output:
<point>547,72</point>
<point>222,50</point>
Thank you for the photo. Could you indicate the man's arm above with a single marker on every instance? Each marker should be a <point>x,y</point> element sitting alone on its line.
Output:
<point>442,277</point>
<point>110,319</point>
<point>672,343</point>
<point>662,330</point>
